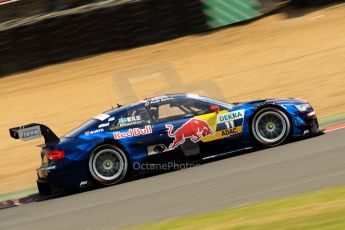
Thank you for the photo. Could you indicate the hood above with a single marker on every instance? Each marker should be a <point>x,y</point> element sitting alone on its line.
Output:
<point>294,101</point>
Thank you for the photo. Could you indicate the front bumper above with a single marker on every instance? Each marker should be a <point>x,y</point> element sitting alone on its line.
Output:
<point>306,124</point>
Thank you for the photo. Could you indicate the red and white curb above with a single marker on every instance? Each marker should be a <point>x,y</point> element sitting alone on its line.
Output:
<point>24,200</point>
<point>334,127</point>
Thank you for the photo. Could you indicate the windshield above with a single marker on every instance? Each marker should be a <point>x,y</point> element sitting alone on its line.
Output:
<point>216,101</point>
<point>84,127</point>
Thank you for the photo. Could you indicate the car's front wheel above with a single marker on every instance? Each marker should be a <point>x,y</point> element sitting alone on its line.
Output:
<point>270,127</point>
<point>108,164</point>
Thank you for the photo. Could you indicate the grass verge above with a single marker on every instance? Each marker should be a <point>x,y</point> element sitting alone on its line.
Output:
<point>332,120</point>
<point>18,194</point>
<point>324,209</point>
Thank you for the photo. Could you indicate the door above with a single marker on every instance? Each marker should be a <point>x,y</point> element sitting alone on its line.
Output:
<point>183,124</point>
<point>133,129</point>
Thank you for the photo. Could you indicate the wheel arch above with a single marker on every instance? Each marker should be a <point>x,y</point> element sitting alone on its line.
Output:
<point>114,143</point>
<point>109,141</point>
<point>270,105</point>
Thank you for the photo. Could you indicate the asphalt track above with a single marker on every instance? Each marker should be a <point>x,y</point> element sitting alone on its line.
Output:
<point>297,167</point>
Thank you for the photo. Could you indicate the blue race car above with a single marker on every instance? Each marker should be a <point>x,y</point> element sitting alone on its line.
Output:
<point>126,141</point>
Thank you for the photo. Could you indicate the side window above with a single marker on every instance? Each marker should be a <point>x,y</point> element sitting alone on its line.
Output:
<point>197,107</point>
<point>178,109</point>
<point>132,118</point>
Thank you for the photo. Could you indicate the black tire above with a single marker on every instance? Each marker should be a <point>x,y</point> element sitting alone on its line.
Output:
<point>270,127</point>
<point>108,164</point>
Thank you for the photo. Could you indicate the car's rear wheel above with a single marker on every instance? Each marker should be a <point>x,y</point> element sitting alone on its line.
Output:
<point>270,127</point>
<point>108,164</point>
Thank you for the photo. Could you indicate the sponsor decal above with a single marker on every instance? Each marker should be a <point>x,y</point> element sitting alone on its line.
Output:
<point>160,99</point>
<point>29,133</point>
<point>133,132</point>
<point>230,120</point>
<point>223,121</point>
<point>102,117</point>
<point>231,131</point>
<point>130,123</point>
<point>111,119</point>
<point>194,129</point>
<point>83,183</point>
<point>207,127</point>
<point>104,125</point>
<point>49,168</point>
<point>239,114</point>
<point>94,132</point>
<point>129,119</point>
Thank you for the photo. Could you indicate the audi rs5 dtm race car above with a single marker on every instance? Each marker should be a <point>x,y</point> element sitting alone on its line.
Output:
<point>169,128</point>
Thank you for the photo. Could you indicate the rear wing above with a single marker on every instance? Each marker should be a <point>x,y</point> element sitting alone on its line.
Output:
<point>33,131</point>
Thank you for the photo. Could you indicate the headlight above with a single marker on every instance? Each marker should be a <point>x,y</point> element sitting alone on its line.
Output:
<point>303,107</point>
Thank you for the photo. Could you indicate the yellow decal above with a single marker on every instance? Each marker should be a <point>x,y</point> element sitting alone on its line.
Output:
<point>231,131</point>
<point>211,119</point>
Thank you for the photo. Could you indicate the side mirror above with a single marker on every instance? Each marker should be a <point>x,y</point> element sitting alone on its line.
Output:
<point>215,108</point>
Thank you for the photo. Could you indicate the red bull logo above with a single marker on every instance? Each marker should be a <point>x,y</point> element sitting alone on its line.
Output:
<point>133,132</point>
<point>194,129</point>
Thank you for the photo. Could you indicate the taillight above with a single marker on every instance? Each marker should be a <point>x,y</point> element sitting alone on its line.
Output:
<point>55,154</point>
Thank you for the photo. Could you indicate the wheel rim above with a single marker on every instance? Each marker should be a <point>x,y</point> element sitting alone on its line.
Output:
<point>271,127</point>
<point>108,165</point>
